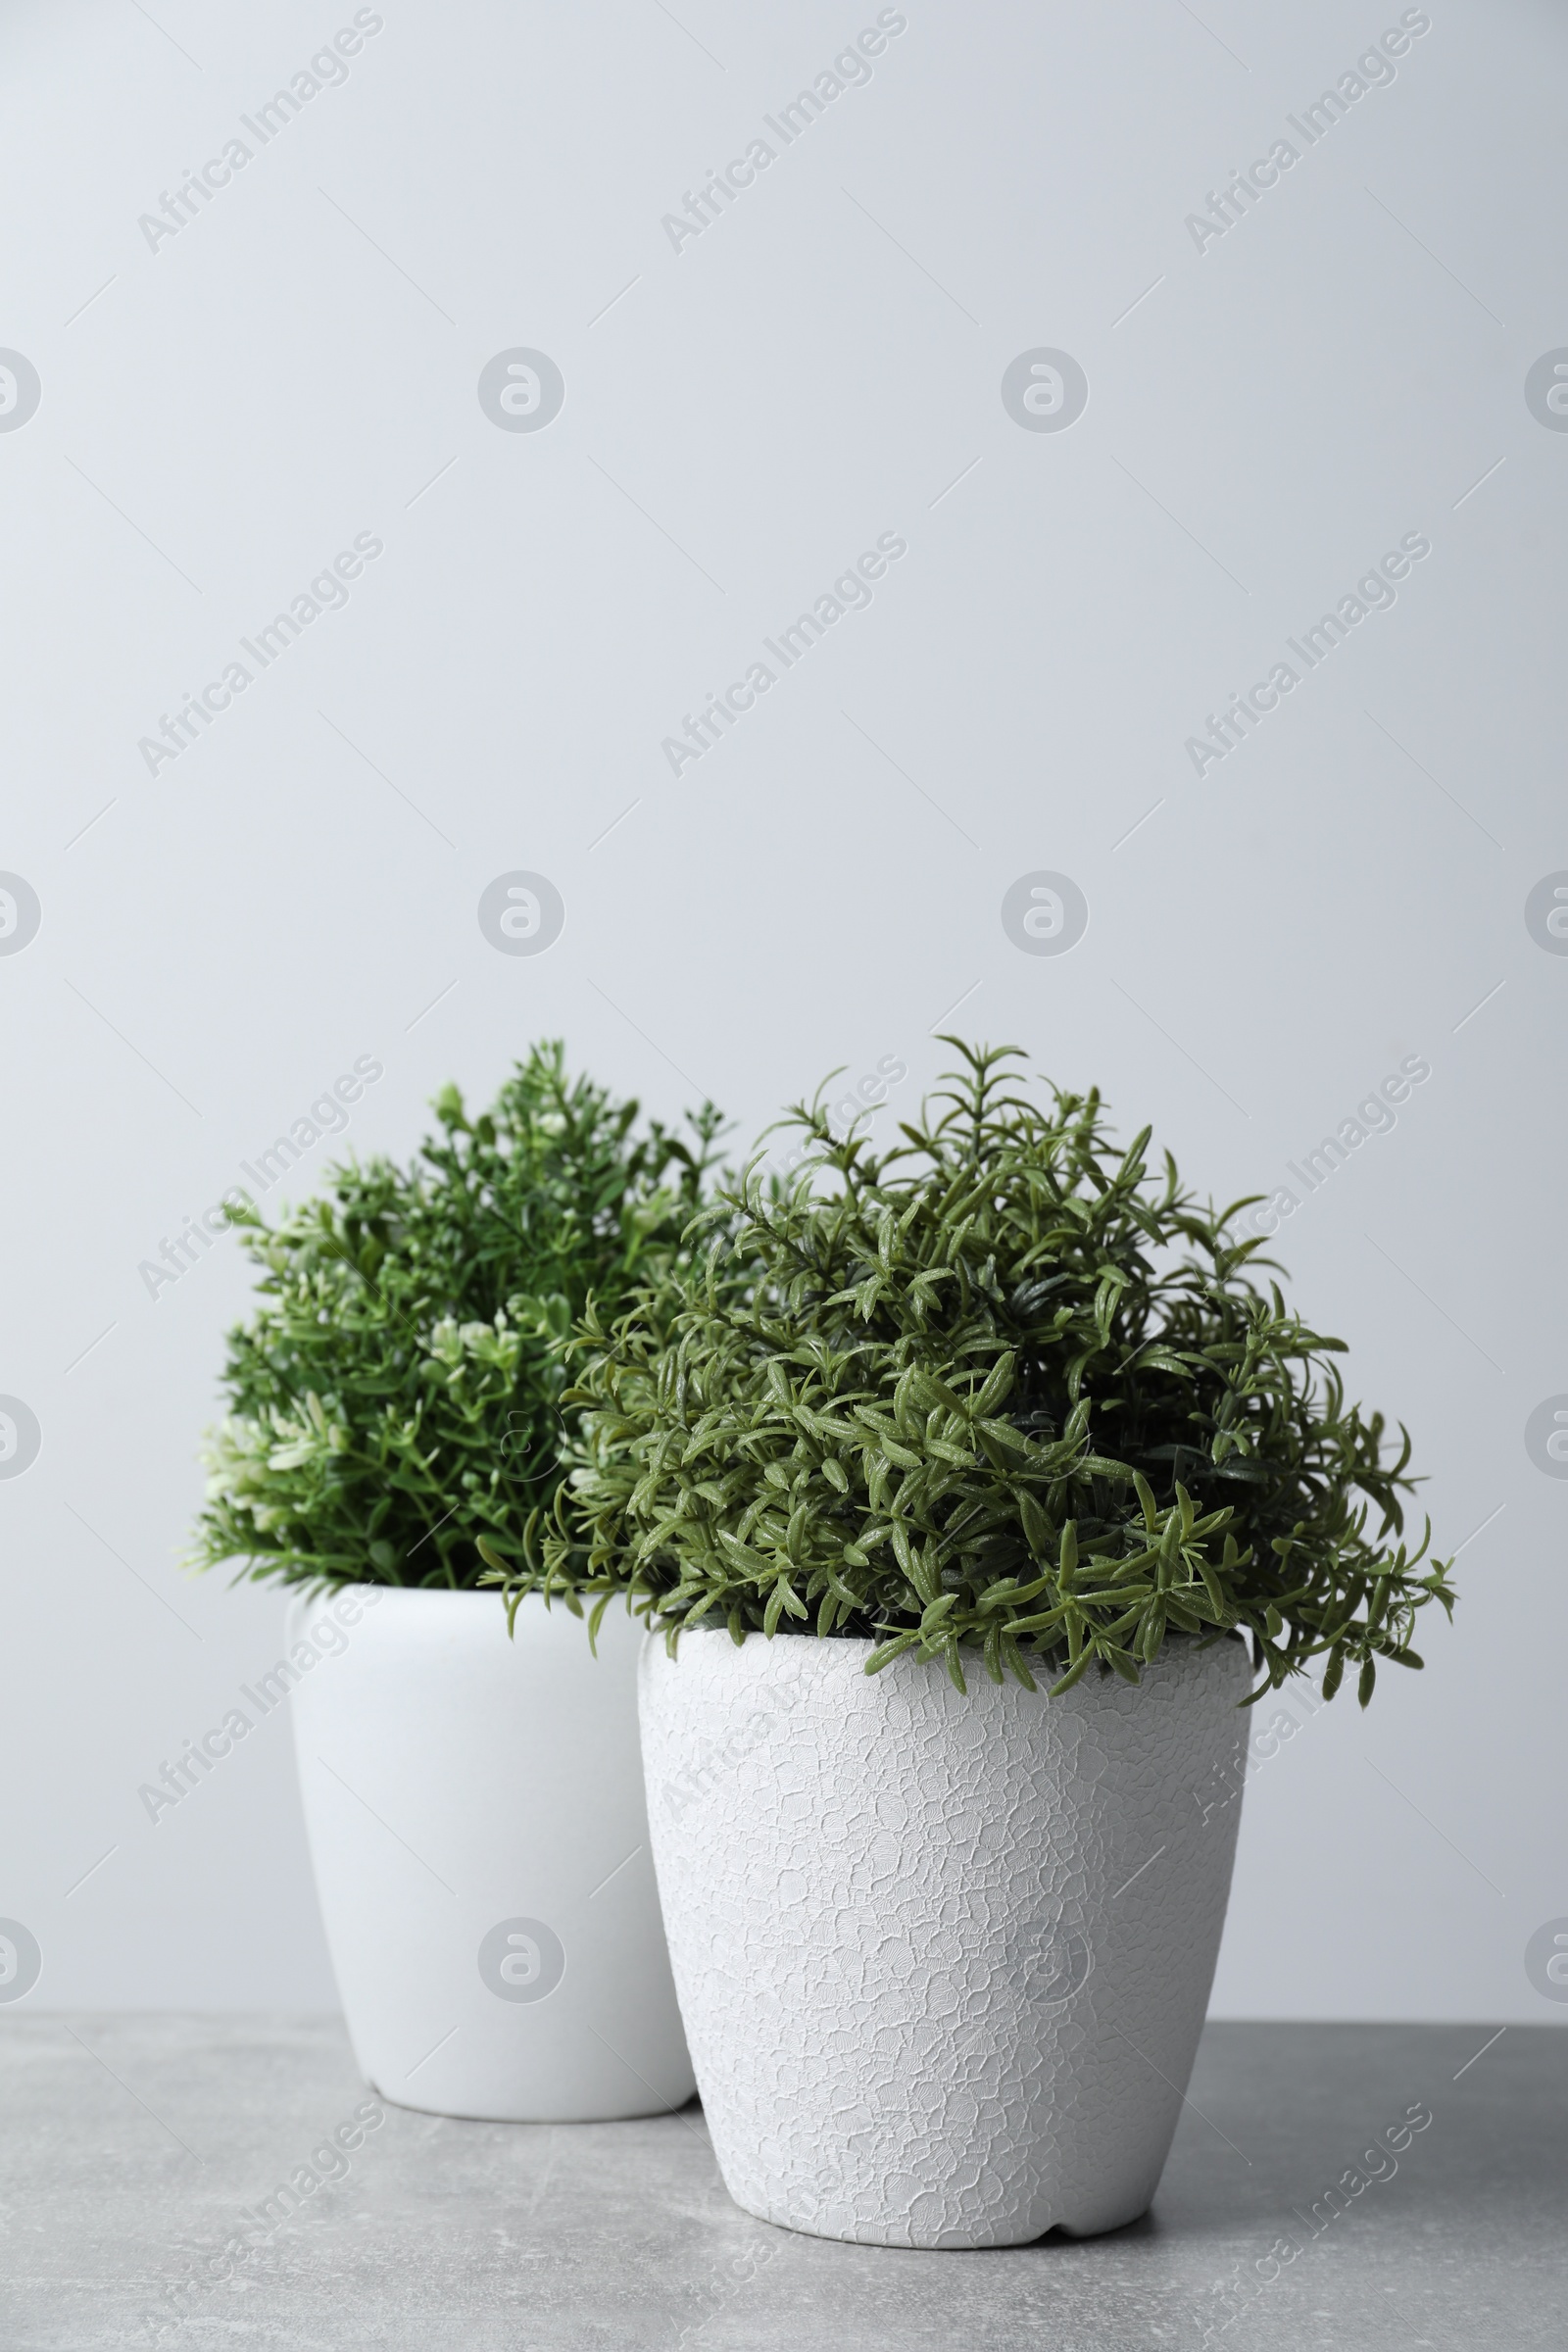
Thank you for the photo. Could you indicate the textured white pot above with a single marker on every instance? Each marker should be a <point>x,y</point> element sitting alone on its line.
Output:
<point>943,1960</point>
<point>480,1844</point>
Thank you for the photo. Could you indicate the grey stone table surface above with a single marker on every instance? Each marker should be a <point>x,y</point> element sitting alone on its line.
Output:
<point>134,2150</point>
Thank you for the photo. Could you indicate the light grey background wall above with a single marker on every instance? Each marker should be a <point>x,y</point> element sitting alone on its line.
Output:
<point>225,408</point>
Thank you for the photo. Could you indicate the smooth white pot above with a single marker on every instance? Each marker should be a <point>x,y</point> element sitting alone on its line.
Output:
<point>943,1960</point>
<point>480,1836</point>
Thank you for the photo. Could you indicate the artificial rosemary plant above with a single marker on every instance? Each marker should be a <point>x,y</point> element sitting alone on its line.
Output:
<point>397,1392</point>
<point>999,1396</point>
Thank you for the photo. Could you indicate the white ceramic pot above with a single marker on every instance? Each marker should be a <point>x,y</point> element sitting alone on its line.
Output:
<point>943,1960</point>
<point>476,1823</point>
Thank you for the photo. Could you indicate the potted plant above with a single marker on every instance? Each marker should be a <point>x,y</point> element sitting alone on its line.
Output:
<point>473,1802</point>
<point>971,1485</point>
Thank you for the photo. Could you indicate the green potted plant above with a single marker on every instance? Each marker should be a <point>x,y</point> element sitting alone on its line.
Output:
<point>473,1802</point>
<point>974,1486</point>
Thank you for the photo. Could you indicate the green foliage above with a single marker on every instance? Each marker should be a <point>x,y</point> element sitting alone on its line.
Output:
<point>995,1395</point>
<point>395,1399</point>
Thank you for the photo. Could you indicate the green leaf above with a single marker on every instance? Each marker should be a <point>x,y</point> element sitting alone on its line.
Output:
<point>1036,1526</point>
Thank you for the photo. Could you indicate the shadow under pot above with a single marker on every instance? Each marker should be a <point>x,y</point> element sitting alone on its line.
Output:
<point>478,1829</point>
<point>943,1958</point>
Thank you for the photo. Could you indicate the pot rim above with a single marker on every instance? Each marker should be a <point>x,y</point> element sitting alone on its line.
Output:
<point>1176,1644</point>
<point>807,1644</point>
